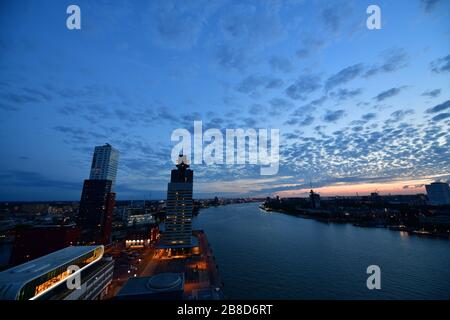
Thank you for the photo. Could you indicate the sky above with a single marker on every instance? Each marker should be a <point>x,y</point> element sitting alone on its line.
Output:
<point>358,110</point>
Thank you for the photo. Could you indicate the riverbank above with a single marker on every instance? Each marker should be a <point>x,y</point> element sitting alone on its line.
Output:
<point>368,224</point>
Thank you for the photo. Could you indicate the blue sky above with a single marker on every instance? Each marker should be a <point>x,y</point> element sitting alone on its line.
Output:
<point>357,109</point>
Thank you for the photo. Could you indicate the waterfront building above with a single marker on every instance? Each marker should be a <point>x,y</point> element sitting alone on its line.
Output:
<point>314,198</point>
<point>178,223</point>
<point>104,164</point>
<point>438,193</point>
<point>47,277</point>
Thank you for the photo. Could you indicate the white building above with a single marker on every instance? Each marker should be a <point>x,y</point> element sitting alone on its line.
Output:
<point>47,277</point>
<point>104,163</point>
<point>438,193</point>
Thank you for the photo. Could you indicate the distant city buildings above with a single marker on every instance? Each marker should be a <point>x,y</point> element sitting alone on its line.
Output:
<point>438,193</point>
<point>46,278</point>
<point>97,199</point>
<point>104,164</point>
<point>178,224</point>
<point>314,198</point>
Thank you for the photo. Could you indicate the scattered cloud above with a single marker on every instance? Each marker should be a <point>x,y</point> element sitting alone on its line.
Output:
<point>441,65</point>
<point>389,93</point>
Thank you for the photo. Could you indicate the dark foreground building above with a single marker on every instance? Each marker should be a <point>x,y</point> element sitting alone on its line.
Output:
<point>96,212</point>
<point>33,242</point>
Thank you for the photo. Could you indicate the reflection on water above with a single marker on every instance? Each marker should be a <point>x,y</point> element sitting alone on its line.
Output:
<point>275,256</point>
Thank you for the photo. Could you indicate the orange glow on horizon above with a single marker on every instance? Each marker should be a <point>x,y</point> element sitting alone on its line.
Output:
<point>397,187</point>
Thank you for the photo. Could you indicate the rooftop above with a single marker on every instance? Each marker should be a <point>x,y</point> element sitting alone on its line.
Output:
<point>12,280</point>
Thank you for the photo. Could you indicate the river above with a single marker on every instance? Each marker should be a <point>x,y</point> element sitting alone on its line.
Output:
<point>269,255</point>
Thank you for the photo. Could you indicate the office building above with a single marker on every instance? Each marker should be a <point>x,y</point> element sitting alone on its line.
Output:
<point>47,277</point>
<point>438,193</point>
<point>104,164</point>
<point>96,212</point>
<point>178,224</point>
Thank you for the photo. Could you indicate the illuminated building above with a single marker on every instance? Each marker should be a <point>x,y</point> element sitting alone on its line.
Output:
<point>138,216</point>
<point>104,164</point>
<point>46,278</point>
<point>141,237</point>
<point>178,224</point>
<point>438,193</point>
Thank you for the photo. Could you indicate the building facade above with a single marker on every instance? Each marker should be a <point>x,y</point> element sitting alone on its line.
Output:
<point>48,277</point>
<point>33,242</point>
<point>104,164</point>
<point>178,223</point>
<point>438,193</point>
<point>96,212</point>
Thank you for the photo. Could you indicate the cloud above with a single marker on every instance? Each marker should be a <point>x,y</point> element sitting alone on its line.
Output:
<point>369,116</point>
<point>388,94</point>
<point>393,60</point>
<point>20,178</point>
<point>179,24</point>
<point>281,64</point>
<point>333,116</point>
<point>429,5</point>
<point>399,115</point>
<point>432,93</point>
<point>332,16</point>
<point>345,75</point>
<point>252,25</point>
<point>441,65</point>
<point>309,45</point>
<point>303,86</point>
<point>233,58</point>
<point>438,108</point>
<point>252,83</point>
<point>344,94</point>
<point>441,116</point>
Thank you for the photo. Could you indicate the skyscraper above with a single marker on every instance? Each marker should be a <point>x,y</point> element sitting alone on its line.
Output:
<point>96,211</point>
<point>97,199</point>
<point>178,224</point>
<point>104,164</point>
<point>438,193</point>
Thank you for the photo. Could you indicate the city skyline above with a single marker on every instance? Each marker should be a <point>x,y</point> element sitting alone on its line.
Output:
<point>358,110</point>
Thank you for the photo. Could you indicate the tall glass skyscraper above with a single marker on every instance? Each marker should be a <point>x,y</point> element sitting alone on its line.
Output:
<point>178,224</point>
<point>97,198</point>
<point>104,164</point>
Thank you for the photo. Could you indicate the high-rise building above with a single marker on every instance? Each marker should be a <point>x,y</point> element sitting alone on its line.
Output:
<point>97,199</point>
<point>314,198</point>
<point>178,223</point>
<point>47,277</point>
<point>438,193</point>
<point>96,211</point>
<point>104,164</point>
